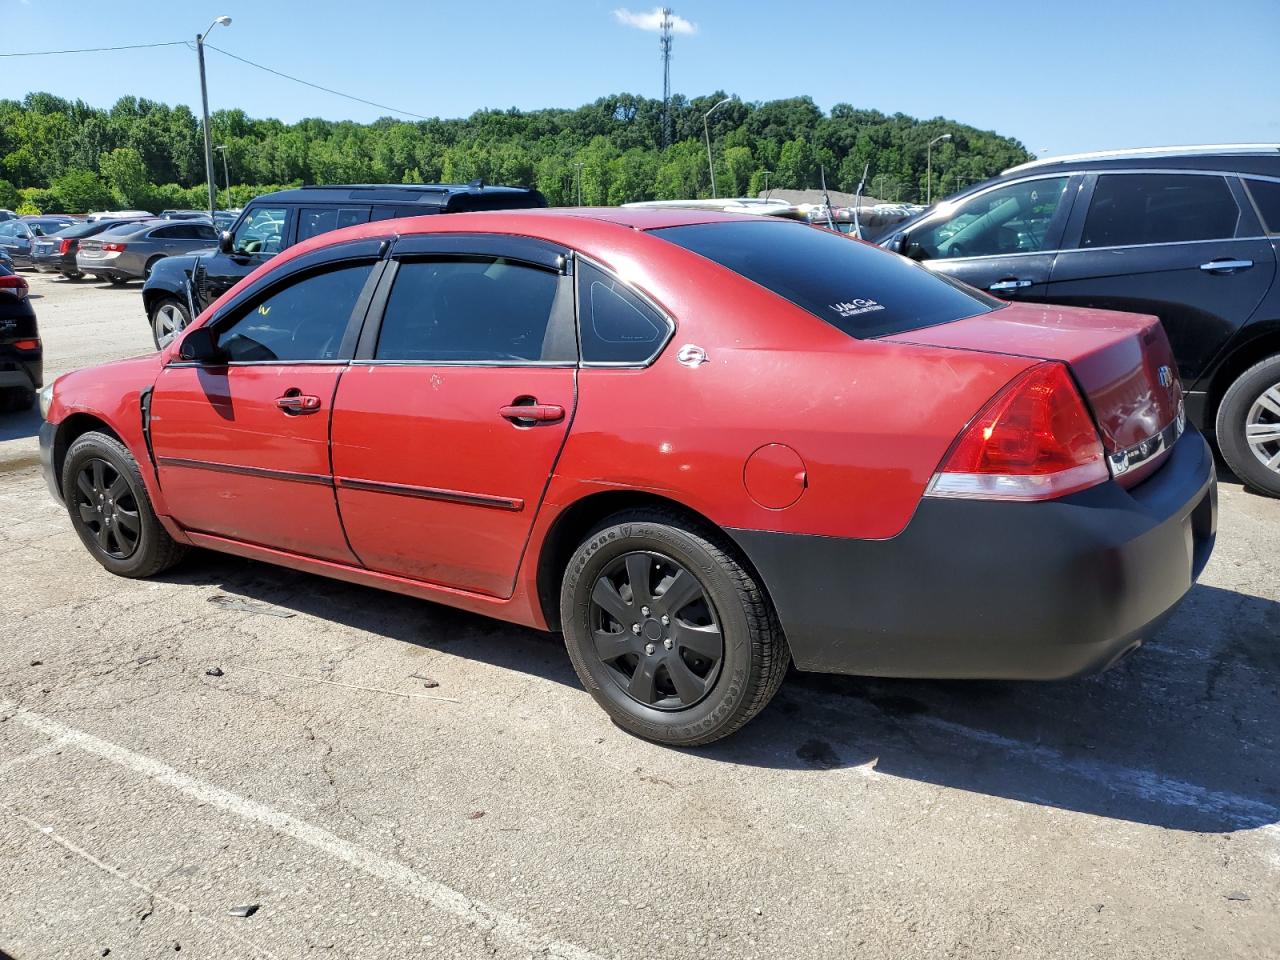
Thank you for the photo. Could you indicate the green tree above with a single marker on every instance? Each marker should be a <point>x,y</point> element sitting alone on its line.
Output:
<point>126,176</point>
<point>8,195</point>
<point>80,191</point>
<point>797,167</point>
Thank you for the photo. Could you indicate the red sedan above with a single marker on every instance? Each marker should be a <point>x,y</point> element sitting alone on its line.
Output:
<point>702,446</point>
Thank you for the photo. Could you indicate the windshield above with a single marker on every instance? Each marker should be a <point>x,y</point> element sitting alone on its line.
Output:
<point>859,289</point>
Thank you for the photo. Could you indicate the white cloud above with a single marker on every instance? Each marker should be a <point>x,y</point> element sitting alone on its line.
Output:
<point>653,20</point>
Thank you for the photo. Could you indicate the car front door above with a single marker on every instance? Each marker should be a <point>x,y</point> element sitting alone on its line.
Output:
<point>263,231</point>
<point>1001,240</point>
<point>448,425</point>
<point>242,444</point>
<point>1183,246</point>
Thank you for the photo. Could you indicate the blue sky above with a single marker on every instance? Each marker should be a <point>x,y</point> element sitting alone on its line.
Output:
<point>1061,77</point>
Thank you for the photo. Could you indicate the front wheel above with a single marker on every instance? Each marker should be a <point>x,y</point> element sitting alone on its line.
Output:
<point>110,509</point>
<point>1248,426</point>
<point>668,631</point>
<point>169,317</point>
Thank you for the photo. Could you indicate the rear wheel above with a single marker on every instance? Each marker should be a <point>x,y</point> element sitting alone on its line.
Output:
<point>71,274</point>
<point>1248,426</point>
<point>110,509</point>
<point>146,271</point>
<point>117,281</point>
<point>668,631</point>
<point>169,317</point>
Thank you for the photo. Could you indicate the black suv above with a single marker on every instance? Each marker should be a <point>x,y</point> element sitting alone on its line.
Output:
<point>1190,234</point>
<point>21,353</point>
<point>181,287</point>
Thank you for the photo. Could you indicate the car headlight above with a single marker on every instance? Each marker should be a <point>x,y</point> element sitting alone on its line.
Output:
<point>46,400</point>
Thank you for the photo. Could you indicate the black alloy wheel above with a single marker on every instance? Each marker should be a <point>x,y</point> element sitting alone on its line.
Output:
<point>108,507</point>
<point>655,629</point>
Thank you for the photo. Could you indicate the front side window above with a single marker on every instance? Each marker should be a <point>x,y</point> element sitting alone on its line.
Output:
<point>857,288</point>
<point>261,231</point>
<point>1266,197</point>
<point>616,325</point>
<point>1009,219</point>
<point>1140,208</point>
<point>305,320</point>
<point>312,222</point>
<point>478,309</point>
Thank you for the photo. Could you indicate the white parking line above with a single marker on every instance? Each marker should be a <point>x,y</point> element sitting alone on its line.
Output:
<point>438,895</point>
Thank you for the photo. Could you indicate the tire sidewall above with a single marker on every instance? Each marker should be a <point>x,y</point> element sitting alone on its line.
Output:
<point>1230,426</point>
<point>98,446</point>
<point>155,315</point>
<point>732,687</point>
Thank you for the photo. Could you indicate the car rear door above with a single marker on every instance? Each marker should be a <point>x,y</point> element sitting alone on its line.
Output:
<point>447,426</point>
<point>242,445</point>
<point>1182,245</point>
<point>313,221</point>
<point>1002,239</point>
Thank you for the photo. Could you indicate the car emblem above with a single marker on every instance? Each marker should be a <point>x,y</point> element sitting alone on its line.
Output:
<point>1166,376</point>
<point>691,355</point>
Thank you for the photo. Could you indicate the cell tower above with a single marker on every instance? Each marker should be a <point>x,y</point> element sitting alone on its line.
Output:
<point>665,43</point>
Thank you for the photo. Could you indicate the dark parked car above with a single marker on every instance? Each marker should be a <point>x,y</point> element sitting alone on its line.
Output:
<point>1189,234</point>
<point>275,221</point>
<point>21,354</point>
<point>887,473</point>
<point>56,252</point>
<point>130,251</point>
<point>184,214</point>
<point>17,236</point>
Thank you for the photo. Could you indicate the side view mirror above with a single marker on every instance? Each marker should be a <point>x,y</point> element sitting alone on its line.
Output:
<point>37,231</point>
<point>199,345</point>
<point>897,243</point>
<point>225,241</point>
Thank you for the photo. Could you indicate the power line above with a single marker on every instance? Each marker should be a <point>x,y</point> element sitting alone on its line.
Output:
<point>316,86</point>
<point>131,46</point>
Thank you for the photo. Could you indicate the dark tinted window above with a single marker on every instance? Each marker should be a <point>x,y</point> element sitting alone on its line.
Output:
<point>82,230</point>
<point>864,291</point>
<point>617,326</point>
<point>316,221</point>
<point>1159,208</point>
<point>1266,195</point>
<point>303,321</point>
<point>168,233</point>
<point>473,308</point>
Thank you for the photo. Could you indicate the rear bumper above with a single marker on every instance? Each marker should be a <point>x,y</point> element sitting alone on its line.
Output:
<point>27,374</point>
<point>987,589</point>
<point>54,263</point>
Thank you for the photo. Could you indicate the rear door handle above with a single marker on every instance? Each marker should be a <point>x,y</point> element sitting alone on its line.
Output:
<point>1225,266</point>
<point>293,402</point>
<point>1012,283</point>
<point>532,412</point>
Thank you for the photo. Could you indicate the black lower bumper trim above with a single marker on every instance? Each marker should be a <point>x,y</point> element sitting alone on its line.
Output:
<point>48,433</point>
<point>982,589</point>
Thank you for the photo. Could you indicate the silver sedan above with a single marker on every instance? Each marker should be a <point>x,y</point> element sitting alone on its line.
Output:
<point>129,251</point>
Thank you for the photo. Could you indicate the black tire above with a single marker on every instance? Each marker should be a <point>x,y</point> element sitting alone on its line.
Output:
<point>72,275</point>
<point>152,549</point>
<point>754,653</point>
<point>161,315</point>
<point>16,399</point>
<point>150,265</point>
<point>1254,394</point>
<point>117,281</point>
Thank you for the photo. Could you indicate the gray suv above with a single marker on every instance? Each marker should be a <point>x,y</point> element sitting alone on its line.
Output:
<point>129,251</point>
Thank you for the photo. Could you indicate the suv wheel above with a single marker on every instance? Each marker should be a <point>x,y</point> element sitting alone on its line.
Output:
<point>669,633</point>
<point>111,511</point>
<point>1249,426</point>
<point>169,317</point>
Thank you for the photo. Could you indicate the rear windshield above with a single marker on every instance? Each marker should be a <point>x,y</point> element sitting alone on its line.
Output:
<point>861,290</point>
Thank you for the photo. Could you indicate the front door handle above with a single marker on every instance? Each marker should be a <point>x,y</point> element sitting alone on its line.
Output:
<point>1009,283</point>
<point>1225,266</point>
<point>297,402</point>
<point>534,412</point>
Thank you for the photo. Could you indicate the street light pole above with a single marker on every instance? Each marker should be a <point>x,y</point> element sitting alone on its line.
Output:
<point>929,159</point>
<point>204,100</point>
<point>706,130</point>
<point>226,176</point>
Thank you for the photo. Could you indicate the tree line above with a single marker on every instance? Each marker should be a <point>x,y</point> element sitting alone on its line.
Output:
<point>58,155</point>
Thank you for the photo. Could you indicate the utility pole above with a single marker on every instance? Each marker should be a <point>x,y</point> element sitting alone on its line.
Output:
<point>226,177</point>
<point>577,176</point>
<point>664,42</point>
<point>929,161</point>
<point>706,129</point>
<point>204,101</point>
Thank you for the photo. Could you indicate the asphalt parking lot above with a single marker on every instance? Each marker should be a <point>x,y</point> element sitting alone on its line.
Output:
<point>382,777</point>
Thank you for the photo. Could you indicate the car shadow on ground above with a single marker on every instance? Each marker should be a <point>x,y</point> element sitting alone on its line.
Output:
<point>16,426</point>
<point>1182,735</point>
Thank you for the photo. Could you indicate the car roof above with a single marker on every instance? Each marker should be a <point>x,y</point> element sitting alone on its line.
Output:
<point>428,194</point>
<point>1261,158</point>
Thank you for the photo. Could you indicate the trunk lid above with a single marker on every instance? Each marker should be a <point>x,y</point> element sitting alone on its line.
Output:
<point>1122,361</point>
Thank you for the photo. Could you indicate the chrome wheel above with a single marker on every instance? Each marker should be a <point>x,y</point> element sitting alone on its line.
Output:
<point>168,323</point>
<point>108,508</point>
<point>655,629</point>
<point>1262,428</point>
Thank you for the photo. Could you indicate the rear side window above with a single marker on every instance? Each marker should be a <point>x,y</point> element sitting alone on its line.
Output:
<point>469,309</point>
<point>1137,208</point>
<point>616,325</point>
<point>857,288</point>
<point>312,222</point>
<point>1266,197</point>
<point>305,320</point>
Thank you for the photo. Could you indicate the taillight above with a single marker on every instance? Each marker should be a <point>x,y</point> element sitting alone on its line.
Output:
<point>28,344</point>
<point>64,247</point>
<point>1034,441</point>
<point>14,286</point>
<point>114,247</point>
